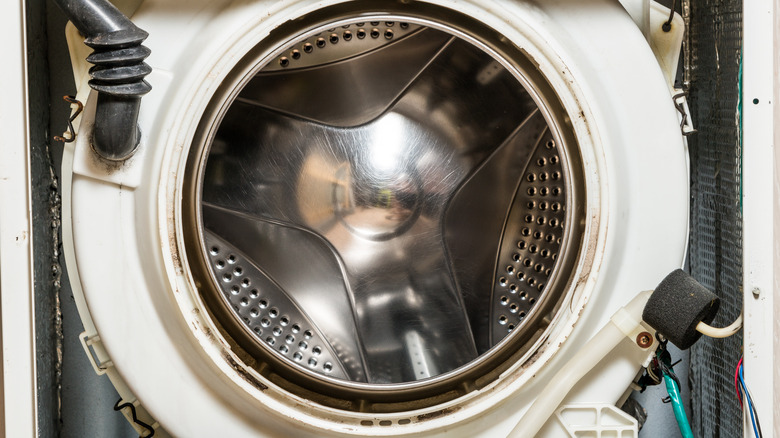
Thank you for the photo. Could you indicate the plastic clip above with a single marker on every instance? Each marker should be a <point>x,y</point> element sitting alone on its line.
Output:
<point>87,341</point>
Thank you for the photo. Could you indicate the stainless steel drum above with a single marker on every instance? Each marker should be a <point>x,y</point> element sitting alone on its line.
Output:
<point>385,210</point>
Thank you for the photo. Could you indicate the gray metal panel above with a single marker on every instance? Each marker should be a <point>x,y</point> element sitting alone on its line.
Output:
<point>72,400</point>
<point>87,399</point>
<point>45,218</point>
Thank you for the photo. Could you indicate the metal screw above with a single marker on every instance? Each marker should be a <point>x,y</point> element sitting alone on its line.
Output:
<point>644,340</point>
<point>756,292</point>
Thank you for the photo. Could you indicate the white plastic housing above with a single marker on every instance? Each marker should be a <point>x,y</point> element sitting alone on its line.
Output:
<point>124,247</point>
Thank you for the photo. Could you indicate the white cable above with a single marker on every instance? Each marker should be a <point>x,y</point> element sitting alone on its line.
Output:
<point>723,332</point>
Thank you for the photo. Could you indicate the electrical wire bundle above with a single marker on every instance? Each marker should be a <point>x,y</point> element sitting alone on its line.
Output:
<point>745,399</point>
<point>664,362</point>
<point>660,370</point>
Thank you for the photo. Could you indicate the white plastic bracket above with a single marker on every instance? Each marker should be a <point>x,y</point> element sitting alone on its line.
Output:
<point>634,329</point>
<point>596,420</point>
<point>664,36</point>
<point>91,345</point>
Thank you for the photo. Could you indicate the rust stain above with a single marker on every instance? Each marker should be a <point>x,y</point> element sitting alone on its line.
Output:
<point>176,262</point>
<point>532,360</point>
<point>249,378</point>
<point>172,242</point>
<point>590,254</point>
<point>170,217</point>
<point>436,414</point>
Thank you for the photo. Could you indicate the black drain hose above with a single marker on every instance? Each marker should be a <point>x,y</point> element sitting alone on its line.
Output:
<point>117,75</point>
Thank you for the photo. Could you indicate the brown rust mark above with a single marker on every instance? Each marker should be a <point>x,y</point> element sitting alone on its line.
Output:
<point>590,252</point>
<point>173,200</point>
<point>588,261</point>
<point>534,357</point>
<point>172,241</point>
<point>176,262</point>
<point>205,330</point>
<point>436,414</point>
<point>248,377</point>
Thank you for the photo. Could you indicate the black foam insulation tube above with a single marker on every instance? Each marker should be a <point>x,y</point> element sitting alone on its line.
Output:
<point>677,306</point>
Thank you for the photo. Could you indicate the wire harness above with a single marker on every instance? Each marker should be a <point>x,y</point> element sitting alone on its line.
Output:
<point>745,399</point>
<point>664,362</point>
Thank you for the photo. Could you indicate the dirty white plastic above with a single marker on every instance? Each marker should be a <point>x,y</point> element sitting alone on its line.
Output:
<point>639,10</point>
<point>123,241</point>
<point>624,324</point>
<point>603,421</point>
<point>761,210</point>
<point>18,404</point>
<point>666,45</point>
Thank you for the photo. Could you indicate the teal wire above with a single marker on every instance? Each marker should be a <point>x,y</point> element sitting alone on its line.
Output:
<point>739,118</point>
<point>677,405</point>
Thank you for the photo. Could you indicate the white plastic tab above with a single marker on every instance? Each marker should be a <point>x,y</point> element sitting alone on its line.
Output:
<point>634,329</point>
<point>96,353</point>
<point>665,40</point>
<point>597,421</point>
<point>628,320</point>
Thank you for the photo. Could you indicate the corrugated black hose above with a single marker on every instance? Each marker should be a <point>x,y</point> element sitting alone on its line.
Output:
<point>117,75</point>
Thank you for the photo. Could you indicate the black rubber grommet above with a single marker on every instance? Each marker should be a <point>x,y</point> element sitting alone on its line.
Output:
<point>677,305</point>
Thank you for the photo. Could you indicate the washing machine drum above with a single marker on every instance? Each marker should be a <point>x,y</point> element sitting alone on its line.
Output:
<point>384,203</point>
<point>375,212</point>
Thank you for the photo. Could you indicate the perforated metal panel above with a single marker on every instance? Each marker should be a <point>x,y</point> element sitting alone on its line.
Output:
<point>716,219</point>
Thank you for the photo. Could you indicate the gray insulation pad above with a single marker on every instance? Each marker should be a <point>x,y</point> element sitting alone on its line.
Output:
<point>716,221</point>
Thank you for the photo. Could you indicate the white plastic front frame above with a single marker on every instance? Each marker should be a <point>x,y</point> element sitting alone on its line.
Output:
<point>17,305</point>
<point>125,255</point>
<point>761,209</point>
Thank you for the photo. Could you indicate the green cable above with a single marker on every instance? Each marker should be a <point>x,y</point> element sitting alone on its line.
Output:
<point>677,405</point>
<point>739,119</point>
